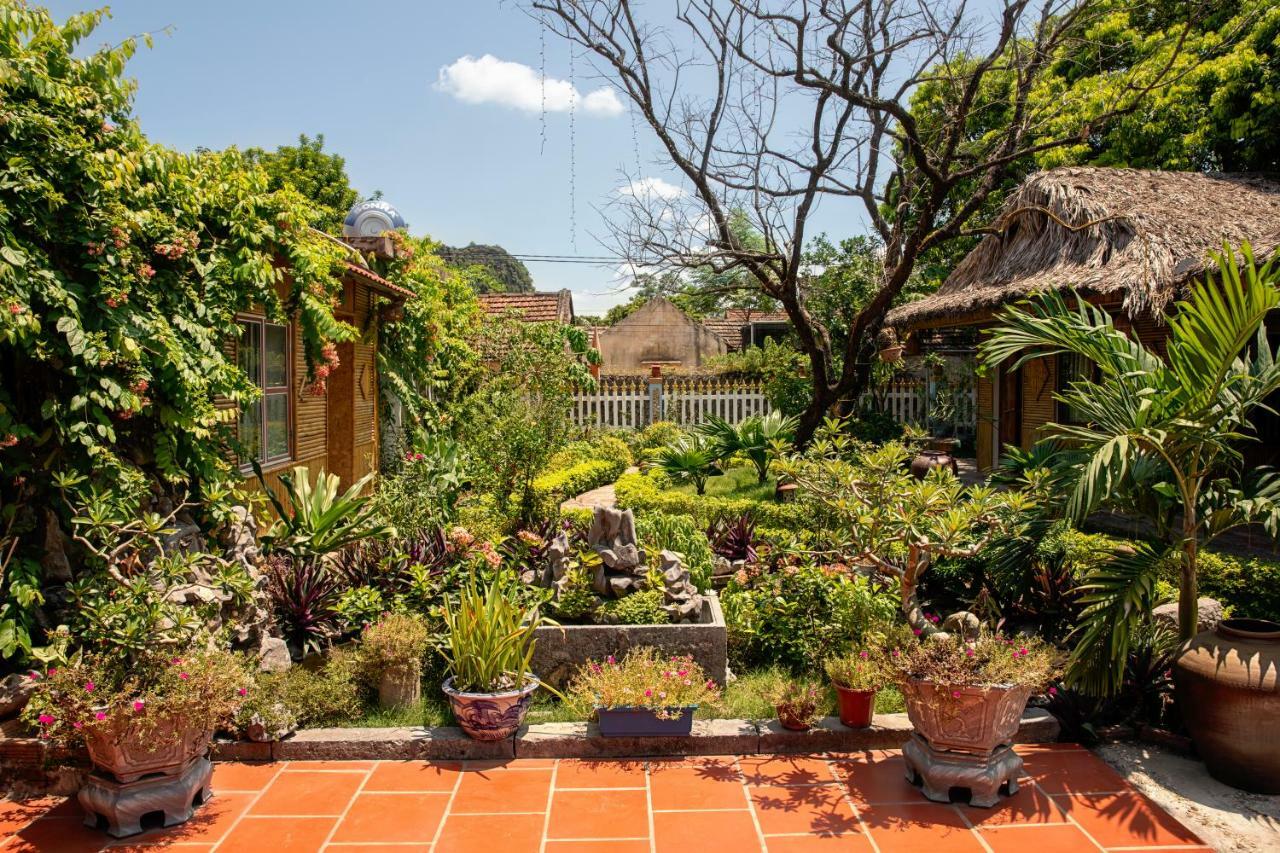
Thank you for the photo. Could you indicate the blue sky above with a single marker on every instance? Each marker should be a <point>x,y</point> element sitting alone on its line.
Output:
<point>462,159</point>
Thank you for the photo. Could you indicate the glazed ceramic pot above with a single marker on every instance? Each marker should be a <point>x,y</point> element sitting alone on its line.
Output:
<point>400,687</point>
<point>1229,694</point>
<point>491,716</point>
<point>965,719</point>
<point>645,722</point>
<point>132,748</point>
<point>857,707</point>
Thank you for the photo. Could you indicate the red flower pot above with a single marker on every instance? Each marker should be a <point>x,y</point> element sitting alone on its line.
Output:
<point>857,707</point>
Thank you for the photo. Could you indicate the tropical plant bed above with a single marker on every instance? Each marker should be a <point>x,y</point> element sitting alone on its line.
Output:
<point>560,650</point>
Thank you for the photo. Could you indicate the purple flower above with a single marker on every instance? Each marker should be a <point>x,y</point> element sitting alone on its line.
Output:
<point>1053,691</point>
<point>183,676</point>
<point>864,655</point>
<point>242,692</point>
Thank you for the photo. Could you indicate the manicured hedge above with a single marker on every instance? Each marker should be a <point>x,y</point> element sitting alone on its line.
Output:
<point>646,492</point>
<point>556,486</point>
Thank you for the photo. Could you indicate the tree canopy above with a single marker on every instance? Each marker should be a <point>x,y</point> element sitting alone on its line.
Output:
<point>316,175</point>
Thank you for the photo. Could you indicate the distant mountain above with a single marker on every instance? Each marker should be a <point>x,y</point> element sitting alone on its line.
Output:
<point>509,272</point>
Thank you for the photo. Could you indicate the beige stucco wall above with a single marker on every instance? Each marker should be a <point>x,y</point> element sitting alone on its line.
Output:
<point>659,332</point>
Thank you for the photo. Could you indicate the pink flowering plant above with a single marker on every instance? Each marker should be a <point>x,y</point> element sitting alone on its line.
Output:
<point>993,660</point>
<point>93,695</point>
<point>863,669</point>
<point>645,678</point>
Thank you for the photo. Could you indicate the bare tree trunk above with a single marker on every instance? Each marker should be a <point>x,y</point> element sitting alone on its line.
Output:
<point>1188,593</point>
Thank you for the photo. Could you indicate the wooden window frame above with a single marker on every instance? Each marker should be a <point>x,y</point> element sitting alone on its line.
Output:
<point>285,391</point>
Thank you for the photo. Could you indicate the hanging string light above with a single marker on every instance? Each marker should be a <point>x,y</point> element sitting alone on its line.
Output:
<point>542,83</point>
<point>573,154</point>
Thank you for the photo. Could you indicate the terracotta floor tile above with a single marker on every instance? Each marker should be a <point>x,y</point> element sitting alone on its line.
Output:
<point>1072,772</point>
<point>814,809</point>
<point>57,835</point>
<point>237,776</point>
<point>510,764</point>
<point>15,814</point>
<point>706,784</point>
<point>597,846</point>
<point>880,779</point>
<point>599,774</point>
<point>599,814</point>
<point>374,848</point>
<point>1040,839</point>
<point>158,844</point>
<point>412,776</point>
<point>1126,820</point>
<point>208,825</point>
<point>388,818</point>
<point>278,835</point>
<point>496,791</point>
<point>1028,806</point>
<point>705,832</point>
<point>919,828</point>
<point>313,794</point>
<point>485,834</point>
<point>818,843</point>
<point>785,769</point>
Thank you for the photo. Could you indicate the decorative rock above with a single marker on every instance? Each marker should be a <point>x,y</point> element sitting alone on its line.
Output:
<point>242,537</point>
<point>273,655</point>
<point>1209,612</point>
<point>964,623</point>
<point>15,691</point>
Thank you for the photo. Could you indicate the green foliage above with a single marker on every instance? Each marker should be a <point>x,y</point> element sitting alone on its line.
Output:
<point>553,488</point>
<point>638,608</point>
<point>122,267</point>
<point>646,493</point>
<point>991,660</point>
<point>319,177</point>
<point>658,531</point>
<point>423,492</point>
<point>757,439</point>
<point>326,694</point>
<point>20,594</point>
<point>689,459</point>
<point>397,641</point>
<point>1249,587</point>
<point>862,670</point>
<point>797,616</point>
<point>643,679</point>
<point>577,600</point>
<point>318,520</point>
<point>655,435</point>
<point>506,274</point>
<point>489,636</point>
<point>779,365</point>
<point>1166,428</point>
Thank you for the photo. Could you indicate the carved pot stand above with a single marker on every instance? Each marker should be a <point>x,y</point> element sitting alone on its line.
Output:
<point>163,769</point>
<point>963,741</point>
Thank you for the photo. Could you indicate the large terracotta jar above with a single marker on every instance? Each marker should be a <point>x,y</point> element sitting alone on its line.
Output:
<point>977,720</point>
<point>1229,693</point>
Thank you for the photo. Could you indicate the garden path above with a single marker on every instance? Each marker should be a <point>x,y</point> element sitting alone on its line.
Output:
<point>1070,801</point>
<point>605,496</point>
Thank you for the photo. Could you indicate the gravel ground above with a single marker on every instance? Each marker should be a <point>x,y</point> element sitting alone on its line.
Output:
<point>1227,819</point>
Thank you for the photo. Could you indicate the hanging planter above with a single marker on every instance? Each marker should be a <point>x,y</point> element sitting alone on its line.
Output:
<point>891,354</point>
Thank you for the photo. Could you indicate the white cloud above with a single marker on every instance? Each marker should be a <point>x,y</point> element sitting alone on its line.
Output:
<point>490,80</point>
<point>651,188</point>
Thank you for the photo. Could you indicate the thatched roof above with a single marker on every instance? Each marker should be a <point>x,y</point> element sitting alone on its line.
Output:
<point>1124,235</point>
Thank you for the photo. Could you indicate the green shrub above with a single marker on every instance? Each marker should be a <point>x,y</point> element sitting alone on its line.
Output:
<point>658,532</point>
<point>656,434</point>
<point>644,493</point>
<point>327,694</point>
<point>1247,586</point>
<point>798,616</point>
<point>638,608</point>
<point>553,488</point>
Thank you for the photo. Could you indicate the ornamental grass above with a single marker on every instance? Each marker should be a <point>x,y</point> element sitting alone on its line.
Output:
<point>993,660</point>
<point>643,679</point>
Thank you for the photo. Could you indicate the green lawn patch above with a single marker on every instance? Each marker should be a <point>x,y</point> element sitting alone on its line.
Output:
<point>737,483</point>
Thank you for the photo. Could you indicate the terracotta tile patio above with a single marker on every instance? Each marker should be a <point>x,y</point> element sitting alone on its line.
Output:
<point>1070,801</point>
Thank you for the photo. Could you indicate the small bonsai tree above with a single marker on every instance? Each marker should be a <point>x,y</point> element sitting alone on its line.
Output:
<point>885,517</point>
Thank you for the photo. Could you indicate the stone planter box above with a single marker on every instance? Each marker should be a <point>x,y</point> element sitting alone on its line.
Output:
<point>560,651</point>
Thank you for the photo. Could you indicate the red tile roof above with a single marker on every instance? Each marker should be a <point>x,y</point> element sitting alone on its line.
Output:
<point>380,283</point>
<point>536,307</point>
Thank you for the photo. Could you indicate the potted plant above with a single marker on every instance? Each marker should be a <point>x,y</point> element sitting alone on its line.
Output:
<point>154,715</point>
<point>888,345</point>
<point>857,678</point>
<point>391,650</point>
<point>489,642</point>
<point>644,695</point>
<point>796,703</point>
<point>967,698</point>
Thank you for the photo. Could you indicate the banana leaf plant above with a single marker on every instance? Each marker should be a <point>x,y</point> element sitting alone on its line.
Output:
<point>1167,428</point>
<point>318,520</point>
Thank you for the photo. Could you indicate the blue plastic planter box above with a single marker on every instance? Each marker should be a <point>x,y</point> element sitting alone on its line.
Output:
<point>645,722</point>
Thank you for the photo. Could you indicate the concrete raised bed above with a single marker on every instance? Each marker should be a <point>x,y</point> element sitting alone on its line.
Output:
<point>560,651</point>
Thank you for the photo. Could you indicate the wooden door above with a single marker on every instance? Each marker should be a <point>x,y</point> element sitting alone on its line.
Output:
<point>1010,415</point>
<point>342,420</point>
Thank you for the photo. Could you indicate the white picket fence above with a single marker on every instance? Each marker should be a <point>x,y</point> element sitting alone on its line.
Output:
<point>636,401</point>
<point>907,399</point>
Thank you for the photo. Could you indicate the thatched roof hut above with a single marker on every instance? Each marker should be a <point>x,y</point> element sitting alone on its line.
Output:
<point>1127,237</point>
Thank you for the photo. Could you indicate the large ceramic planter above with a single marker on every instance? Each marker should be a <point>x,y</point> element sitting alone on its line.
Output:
<point>400,687</point>
<point>965,719</point>
<point>857,708</point>
<point>491,716</point>
<point>645,722</point>
<point>137,747</point>
<point>1229,695</point>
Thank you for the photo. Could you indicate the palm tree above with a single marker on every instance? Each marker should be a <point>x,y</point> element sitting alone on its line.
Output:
<point>689,459</point>
<point>1174,423</point>
<point>754,439</point>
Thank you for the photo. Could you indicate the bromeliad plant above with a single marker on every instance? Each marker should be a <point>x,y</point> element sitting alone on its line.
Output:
<point>318,520</point>
<point>1159,433</point>
<point>891,521</point>
<point>734,538</point>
